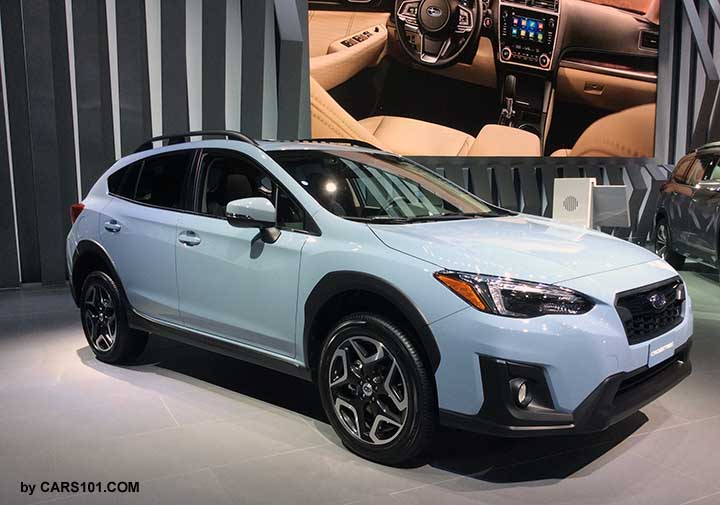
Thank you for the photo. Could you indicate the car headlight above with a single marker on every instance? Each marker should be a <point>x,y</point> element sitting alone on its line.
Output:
<point>512,298</point>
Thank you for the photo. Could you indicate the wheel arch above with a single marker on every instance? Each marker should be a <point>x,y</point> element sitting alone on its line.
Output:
<point>88,257</point>
<point>340,293</point>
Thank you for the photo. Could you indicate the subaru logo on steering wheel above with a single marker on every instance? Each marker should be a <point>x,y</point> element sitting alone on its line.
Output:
<point>434,12</point>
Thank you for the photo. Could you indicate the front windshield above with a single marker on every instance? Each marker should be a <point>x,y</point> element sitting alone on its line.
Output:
<point>378,187</point>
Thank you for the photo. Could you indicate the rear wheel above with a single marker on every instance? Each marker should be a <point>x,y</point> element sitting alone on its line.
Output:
<point>376,390</point>
<point>104,321</point>
<point>663,245</point>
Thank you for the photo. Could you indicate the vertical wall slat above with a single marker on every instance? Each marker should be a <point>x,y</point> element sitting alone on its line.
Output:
<point>292,46</point>
<point>193,55</point>
<point>9,254</point>
<point>233,65</point>
<point>214,44</point>
<point>133,77</point>
<point>92,78</point>
<point>174,67</point>
<point>259,84</point>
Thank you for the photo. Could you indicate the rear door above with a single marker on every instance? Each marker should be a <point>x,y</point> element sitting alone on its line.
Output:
<point>706,207</point>
<point>138,229</point>
<point>232,284</point>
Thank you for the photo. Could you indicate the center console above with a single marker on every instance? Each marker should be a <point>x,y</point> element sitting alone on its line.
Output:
<point>527,32</point>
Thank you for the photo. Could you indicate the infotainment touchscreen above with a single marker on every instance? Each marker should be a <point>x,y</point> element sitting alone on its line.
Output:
<point>527,36</point>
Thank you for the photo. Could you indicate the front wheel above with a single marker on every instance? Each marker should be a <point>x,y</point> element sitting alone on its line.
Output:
<point>663,245</point>
<point>376,390</point>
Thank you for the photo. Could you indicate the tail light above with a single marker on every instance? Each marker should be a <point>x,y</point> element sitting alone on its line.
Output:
<point>75,210</point>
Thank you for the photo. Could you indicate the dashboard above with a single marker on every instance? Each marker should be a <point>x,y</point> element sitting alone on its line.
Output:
<point>594,54</point>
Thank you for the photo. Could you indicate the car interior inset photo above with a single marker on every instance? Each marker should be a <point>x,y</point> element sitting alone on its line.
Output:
<point>487,77</point>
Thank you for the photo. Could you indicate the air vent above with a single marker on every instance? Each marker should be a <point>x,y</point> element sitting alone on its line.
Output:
<point>649,40</point>
<point>545,4</point>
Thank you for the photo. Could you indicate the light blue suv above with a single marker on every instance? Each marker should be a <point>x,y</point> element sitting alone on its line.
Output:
<point>406,299</point>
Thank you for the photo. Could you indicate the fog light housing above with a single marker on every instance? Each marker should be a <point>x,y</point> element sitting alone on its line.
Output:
<point>521,392</point>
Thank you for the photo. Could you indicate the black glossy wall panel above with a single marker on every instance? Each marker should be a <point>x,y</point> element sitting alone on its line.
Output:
<point>213,64</point>
<point>174,67</point>
<point>526,184</point>
<point>94,101</point>
<point>133,80</point>
<point>19,116</point>
<point>10,272</point>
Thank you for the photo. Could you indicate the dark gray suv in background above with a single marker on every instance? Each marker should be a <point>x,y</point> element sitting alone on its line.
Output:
<point>687,220</point>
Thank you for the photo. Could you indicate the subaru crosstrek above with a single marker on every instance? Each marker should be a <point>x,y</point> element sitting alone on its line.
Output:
<point>409,301</point>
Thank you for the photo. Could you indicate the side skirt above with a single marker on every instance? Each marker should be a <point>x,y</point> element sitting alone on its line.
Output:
<point>219,345</point>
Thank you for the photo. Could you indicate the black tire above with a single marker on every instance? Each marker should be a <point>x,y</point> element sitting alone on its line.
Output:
<point>664,247</point>
<point>111,338</point>
<point>388,444</point>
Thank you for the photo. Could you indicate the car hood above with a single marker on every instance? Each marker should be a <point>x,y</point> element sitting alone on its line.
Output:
<point>519,246</point>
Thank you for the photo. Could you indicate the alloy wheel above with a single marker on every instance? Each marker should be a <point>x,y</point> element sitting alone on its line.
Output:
<point>100,318</point>
<point>368,390</point>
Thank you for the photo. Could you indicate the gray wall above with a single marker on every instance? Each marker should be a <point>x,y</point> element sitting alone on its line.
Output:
<point>688,78</point>
<point>84,82</point>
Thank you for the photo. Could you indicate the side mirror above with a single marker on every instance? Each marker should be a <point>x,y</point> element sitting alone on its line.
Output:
<point>254,213</point>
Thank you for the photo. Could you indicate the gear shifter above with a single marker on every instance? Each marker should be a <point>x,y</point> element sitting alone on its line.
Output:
<point>508,100</point>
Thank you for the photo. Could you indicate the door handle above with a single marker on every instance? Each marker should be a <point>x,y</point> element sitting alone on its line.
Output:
<point>113,226</point>
<point>189,238</point>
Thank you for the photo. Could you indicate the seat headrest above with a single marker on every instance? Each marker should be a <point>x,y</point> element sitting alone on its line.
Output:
<point>237,186</point>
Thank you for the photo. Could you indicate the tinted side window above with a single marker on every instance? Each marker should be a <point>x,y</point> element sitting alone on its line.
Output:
<point>162,180</point>
<point>123,182</point>
<point>226,178</point>
<point>712,169</point>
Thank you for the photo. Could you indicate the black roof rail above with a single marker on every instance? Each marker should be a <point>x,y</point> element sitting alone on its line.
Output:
<point>350,142</point>
<point>180,138</point>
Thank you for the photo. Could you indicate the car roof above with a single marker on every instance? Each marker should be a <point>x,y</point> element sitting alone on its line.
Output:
<point>311,145</point>
<point>317,144</point>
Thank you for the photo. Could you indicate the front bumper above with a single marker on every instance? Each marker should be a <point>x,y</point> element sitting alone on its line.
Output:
<point>582,362</point>
<point>616,398</point>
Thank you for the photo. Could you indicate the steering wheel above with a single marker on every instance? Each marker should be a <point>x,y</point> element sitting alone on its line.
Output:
<point>442,28</point>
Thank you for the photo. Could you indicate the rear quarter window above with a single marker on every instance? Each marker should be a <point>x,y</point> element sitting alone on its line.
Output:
<point>160,180</point>
<point>124,181</point>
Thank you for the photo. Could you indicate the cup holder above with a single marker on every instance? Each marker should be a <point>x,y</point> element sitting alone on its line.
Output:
<point>529,128</point>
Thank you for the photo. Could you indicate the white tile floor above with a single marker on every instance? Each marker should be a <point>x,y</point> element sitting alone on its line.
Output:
<point>196,428</point>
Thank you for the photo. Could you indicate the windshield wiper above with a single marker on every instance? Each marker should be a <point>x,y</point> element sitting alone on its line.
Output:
<point>380,219</point>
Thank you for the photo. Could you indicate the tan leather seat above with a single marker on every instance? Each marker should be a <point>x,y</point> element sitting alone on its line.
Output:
<point>410,136</point>
<point>413,137</point>
<point>627,134</point>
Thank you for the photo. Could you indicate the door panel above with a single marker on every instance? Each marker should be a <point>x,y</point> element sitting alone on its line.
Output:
<point>705,207</point>
<point>683,223</point>
<point>234,285</point>
<point>141,242</point>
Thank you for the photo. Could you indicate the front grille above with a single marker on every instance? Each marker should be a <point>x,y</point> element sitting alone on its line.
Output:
<point>644,320</point>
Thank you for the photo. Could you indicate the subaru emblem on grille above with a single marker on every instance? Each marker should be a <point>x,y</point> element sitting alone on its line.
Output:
<point>657,300</point>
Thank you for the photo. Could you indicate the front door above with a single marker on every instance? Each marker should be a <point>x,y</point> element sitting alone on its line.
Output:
<point>231,283</point>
